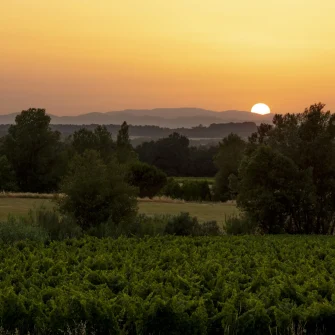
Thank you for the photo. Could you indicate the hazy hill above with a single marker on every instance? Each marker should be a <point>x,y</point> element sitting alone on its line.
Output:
<point>162,117</point>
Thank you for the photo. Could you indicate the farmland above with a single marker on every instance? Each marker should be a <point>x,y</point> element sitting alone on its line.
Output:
<point>99,266</point>
<point>203,211</point>
<point>181,180</point>
<point>207,285</point>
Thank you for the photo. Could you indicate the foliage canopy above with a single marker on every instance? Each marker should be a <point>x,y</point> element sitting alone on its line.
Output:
<point>96,192</point>
<point>287,177</point>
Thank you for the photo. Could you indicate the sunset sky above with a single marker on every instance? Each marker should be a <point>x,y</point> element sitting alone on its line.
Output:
<point>78,56</point>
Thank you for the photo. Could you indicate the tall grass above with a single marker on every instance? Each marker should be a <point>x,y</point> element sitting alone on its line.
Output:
<point>39,225</point>
<point>57,226</point>
<point>210,180</point>
<point>162,199</point>
<point>16,229</point>
<point>54,196</point>
<point>30,195</point>
<point>240,225</point>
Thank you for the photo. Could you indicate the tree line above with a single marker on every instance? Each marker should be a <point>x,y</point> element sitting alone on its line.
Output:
<point>34,157</point>
<point>282,177</point>
<point>175,156</point>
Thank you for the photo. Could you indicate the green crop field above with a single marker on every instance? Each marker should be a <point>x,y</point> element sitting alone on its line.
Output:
<point>170,285</point>
<point>203,211</point>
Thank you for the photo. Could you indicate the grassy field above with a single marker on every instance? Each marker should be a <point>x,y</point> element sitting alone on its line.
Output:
<point>20,206</point>
<point>204,211</point>
<point>183,179</point>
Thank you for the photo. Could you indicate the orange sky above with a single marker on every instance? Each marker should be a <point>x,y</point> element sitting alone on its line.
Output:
<point>78,56</point>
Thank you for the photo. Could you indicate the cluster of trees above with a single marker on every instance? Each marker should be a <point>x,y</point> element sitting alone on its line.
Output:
<point>34,157</point>
<point>189,190</point>
<point>283,178</point>
<point>100,177</point>
<point>175,156</point>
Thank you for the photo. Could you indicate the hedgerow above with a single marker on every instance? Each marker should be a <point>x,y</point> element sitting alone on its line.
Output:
<point>170,285</point>
<point>189,190</point>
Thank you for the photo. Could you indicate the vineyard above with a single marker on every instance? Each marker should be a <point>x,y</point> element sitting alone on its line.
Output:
<point>170,285</point>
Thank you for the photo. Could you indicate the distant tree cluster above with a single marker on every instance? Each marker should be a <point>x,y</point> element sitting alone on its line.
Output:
<point>227,161</point>
<point>189,190</point>
<point>175,157</point>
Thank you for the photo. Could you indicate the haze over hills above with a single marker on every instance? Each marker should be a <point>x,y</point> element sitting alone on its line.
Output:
<point>162,117</point>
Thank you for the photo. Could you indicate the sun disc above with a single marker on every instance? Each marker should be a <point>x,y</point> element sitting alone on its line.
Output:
<point>260,108</point>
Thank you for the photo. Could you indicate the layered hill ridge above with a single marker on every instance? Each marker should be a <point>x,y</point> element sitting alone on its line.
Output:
<point>162,117</point>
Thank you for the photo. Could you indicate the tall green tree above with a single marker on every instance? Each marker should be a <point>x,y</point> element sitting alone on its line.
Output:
<point>274,192</point>
<point>308,140</point>
<point>169,154</point>
<point>100,140</point>
<point>7,176</point>
<point>147,178</point>
<point>124,150</point>
<point>33,151</point>
<point>96,192</point>
<point>175,157</point>
<point>84,139</point>
<point>201,162</point>
<point>227,161</point>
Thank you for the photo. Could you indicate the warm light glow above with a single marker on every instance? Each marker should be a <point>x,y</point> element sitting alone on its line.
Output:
<point>80,56</point>
<point>260,109</point>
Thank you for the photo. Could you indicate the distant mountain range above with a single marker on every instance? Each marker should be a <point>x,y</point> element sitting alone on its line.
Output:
<point>162,117</point>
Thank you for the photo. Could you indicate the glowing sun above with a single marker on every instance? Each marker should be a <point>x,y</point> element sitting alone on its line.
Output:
<point>260,109</point>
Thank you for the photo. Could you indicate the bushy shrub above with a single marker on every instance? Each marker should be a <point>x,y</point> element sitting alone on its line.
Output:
<point>96,192</point>
<point>210,228</point>
<point>172,189</point>
<point>16,229</point>
<point>149,179</point>
<point>240,225</point>
<point>151,225</point>
<point>58,227</point>
<point>196,191</point>
<point>183,225</point>
<point>189,190</point>
<point>40,225</point>
<point>111,229</point>
<point>143,225</point>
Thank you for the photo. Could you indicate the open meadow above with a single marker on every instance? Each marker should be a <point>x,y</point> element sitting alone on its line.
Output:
<point>203,211</point>
<point>209,180</point>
